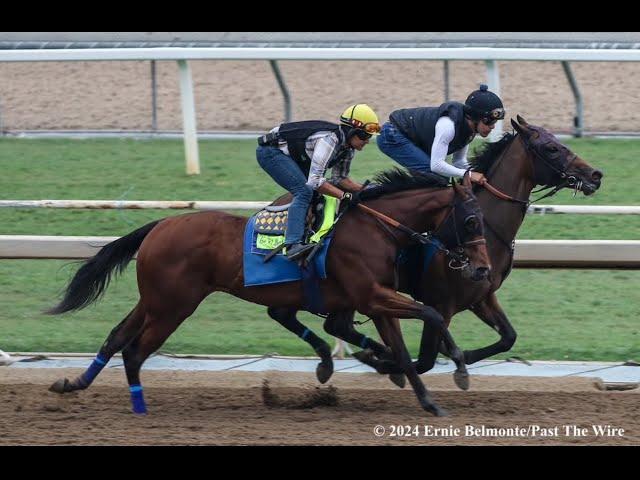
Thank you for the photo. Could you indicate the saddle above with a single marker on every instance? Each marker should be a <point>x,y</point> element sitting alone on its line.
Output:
<point>271,224</point>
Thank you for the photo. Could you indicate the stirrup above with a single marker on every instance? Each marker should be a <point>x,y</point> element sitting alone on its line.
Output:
<point>304,249</point>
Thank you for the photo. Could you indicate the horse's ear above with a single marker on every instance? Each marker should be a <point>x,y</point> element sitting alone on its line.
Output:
<point>516,127</point>
<point>522,121</point>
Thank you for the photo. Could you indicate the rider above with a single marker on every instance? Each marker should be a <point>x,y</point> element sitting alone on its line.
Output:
<point>297,155</point>
<point>421,138</point>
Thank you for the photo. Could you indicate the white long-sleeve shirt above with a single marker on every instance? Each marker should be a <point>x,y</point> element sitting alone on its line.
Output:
<point>445,132</point>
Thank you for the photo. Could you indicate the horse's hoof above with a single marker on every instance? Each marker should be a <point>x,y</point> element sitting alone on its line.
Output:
<point>398,379</point>
<point>439,412</point>
<point>435,410</point>
<point>364,356</point>
<point>59,386</point>
<point>324,372</point>
<point>461,379</point>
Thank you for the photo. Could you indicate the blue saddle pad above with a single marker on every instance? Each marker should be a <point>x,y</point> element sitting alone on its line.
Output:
<point>278,269</point>
<point>417,258</point>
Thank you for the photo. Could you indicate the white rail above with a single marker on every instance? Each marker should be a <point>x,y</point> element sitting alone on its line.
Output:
<point>182,54</point>
<point>135,204</point>
<point>255,205</point>
<point>528,253</point>
<point>321,53</point>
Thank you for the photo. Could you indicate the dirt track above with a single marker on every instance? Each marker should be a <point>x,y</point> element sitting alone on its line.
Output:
<point>276,408</point>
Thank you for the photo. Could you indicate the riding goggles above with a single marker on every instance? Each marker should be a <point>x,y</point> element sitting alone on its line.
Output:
<point>361,134</point>
<point>493,116</point>
<point>371,128</point>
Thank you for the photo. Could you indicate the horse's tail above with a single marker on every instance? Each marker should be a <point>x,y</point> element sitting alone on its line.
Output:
<point>92,279</point>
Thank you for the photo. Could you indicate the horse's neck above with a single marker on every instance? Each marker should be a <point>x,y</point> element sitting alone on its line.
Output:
<point>513,176</point>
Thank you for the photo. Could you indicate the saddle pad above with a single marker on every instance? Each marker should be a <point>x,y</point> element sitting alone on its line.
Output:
<point>279,269</point>
<point>417,258</point>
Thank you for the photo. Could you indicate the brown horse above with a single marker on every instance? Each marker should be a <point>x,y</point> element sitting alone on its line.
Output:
<point>513,166</point>
<point>183,259</point>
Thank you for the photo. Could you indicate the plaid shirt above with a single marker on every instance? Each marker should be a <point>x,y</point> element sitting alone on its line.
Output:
<point>322,147</point>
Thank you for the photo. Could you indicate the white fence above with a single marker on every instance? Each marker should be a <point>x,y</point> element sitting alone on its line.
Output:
<point>182,54</point>
<point>528,253</point>
<point>255,205</point>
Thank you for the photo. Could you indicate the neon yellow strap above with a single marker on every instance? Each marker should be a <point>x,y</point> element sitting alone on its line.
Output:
<point>329,215</point>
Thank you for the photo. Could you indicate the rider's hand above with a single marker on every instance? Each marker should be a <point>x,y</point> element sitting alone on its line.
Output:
<point>477,177</point>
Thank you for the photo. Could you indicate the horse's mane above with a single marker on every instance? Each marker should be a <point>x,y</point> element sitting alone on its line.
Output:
<point>398,180</point>
<point>484,157</point>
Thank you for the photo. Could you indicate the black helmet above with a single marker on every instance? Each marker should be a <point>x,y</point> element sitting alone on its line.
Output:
<point>484,104</point>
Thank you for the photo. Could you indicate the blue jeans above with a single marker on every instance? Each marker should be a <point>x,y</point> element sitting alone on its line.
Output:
<point>286,172</point>
<point>395,145</point>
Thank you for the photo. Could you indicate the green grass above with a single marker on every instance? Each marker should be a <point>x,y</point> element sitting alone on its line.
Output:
<point>559,314</point>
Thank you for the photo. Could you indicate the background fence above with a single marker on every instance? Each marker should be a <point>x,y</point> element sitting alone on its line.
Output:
<point>528,253</point>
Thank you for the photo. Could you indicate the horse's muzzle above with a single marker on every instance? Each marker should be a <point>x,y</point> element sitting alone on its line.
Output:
<point>591,184</point>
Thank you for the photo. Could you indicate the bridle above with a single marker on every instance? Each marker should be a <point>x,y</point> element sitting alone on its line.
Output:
<point>568,180</point>
<point>533,148</point>
<point>457,256</point>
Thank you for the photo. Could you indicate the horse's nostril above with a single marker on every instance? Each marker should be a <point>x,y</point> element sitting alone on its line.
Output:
<point>481,273</point>
<point>597,175</point>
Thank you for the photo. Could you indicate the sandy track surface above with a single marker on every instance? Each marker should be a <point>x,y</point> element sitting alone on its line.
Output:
<point>285,408</point>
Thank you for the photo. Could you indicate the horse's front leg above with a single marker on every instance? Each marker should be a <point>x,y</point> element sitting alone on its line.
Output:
<point>383,302</point>
<point>443,342</point>
<point>490,312</point>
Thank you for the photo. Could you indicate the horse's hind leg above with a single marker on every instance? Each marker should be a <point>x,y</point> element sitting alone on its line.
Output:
<point>153,334</point>
<point>340,325</point>
<point>490,312</point>
<point>117,339</point>
<point>287,318</point>
<point>374,354</point>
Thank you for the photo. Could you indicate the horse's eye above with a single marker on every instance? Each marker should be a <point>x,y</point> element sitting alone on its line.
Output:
<point>551,148</point>
<point>471,224</point>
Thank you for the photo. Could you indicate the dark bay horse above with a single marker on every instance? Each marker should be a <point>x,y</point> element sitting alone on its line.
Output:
<point>514,166</point>
<point>183,259</point>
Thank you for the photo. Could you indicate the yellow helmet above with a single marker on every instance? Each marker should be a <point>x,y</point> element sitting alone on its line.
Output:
<point>362,117</point>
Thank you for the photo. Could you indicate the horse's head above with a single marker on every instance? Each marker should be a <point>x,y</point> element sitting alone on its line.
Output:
<point>554,164</point>
<point>462,234</point>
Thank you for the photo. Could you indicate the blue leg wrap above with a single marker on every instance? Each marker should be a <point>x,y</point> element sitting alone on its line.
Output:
<point>305,333</point>
<point>137,399</point>
<point>94,369</point>
<point>363,343</point>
